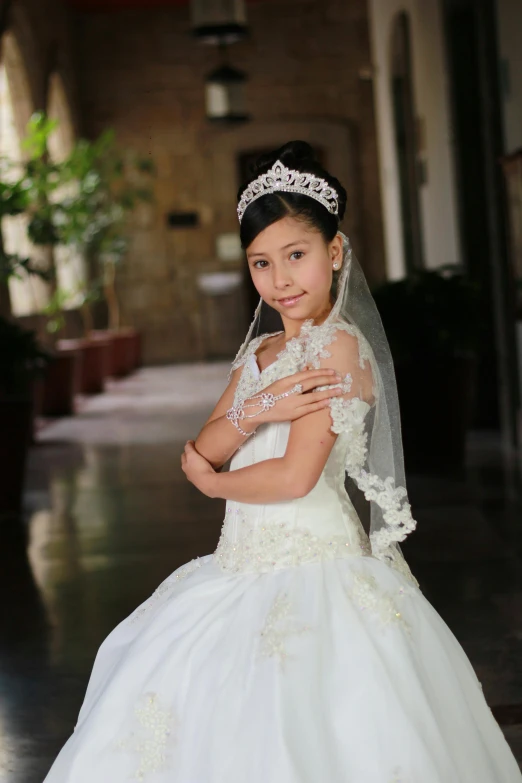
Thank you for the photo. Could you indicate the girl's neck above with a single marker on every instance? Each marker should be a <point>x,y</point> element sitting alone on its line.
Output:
<point>292,328</point>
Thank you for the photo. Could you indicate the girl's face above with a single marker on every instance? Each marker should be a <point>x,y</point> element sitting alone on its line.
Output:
<point>292,266</point>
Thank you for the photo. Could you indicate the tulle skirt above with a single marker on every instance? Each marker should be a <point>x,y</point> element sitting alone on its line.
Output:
<point>330,672</point>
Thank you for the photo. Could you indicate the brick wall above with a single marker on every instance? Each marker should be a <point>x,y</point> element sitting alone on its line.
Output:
<point>143,74</point>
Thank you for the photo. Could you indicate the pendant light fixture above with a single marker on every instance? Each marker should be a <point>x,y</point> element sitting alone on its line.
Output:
<point>218,22</point>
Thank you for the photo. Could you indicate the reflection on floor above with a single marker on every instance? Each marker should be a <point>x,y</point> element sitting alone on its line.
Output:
<point>109,515</point>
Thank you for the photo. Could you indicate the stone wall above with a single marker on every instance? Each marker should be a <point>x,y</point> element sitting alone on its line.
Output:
<point>142,73</point>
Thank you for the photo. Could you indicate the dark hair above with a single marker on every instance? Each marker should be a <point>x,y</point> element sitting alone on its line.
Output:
<point>270,208</point>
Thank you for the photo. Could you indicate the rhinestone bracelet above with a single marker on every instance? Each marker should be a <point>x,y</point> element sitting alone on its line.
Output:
<point>264,401</point>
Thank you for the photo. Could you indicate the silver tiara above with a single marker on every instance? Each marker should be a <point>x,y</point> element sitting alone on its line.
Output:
<point>289,181</point>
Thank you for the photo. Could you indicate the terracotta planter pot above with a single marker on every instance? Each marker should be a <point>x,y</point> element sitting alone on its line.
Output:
<point>137,346</point>
<point>16,429</point>
<point>124,352</point>
<point>106,336</point>
<point>62,382</point>
<point>95,362</point>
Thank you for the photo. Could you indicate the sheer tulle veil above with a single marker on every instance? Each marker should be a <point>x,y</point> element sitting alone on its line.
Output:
<point>379,472</point>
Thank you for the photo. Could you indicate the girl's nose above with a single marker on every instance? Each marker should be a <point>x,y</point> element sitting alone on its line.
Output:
<point>281,278</point>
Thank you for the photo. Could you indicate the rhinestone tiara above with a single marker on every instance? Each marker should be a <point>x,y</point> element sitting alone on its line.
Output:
<point>280,178</point>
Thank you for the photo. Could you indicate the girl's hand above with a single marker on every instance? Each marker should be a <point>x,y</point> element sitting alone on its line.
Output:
<point>196,468</point>
<point>297,404</point>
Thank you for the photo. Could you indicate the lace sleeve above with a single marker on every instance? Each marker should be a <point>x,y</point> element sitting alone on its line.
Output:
<point>351,416</point>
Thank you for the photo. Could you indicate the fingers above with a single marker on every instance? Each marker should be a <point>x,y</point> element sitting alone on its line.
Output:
<point>322,396</point>
<point>312,378</point>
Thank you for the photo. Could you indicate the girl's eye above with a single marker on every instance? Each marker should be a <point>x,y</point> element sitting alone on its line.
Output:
<point>261,261</point>
<point>297,253</point>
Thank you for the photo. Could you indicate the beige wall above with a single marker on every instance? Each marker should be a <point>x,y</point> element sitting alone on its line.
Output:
<point>437,195</point>
<point>143,74</point>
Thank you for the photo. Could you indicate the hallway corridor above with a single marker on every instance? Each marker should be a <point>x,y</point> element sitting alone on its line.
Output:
<point>109,515</point>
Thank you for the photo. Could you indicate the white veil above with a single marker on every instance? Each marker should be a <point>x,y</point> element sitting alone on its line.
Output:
<point>379,473</point>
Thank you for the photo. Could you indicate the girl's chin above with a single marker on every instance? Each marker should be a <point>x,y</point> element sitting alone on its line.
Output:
<point>296,313</point>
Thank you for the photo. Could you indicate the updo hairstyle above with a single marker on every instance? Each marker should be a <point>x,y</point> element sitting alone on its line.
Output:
<point>272,207</point>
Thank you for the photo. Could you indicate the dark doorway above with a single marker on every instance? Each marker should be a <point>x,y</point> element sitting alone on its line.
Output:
<point>476,114</point>
<point>404,120</point>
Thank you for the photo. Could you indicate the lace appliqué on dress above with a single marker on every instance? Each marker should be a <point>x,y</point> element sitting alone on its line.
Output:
<point>279,626</point>
<point>305,350</point>
<point>261,549</point>
<point>348,417</point>
<point>369,597</point>
<point>165,587</point>
<point>150,737</point>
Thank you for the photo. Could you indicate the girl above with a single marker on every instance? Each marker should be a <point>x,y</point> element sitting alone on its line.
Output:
<point>302,650</point>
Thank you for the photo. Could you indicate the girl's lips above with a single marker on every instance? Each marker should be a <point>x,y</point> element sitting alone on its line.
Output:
<point>289,301</point>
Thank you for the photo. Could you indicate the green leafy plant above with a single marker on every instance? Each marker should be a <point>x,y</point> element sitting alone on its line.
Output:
<point>15,197</point>
<point>81,296</point>
<point>432,314</point>
<point>94,216</point>
<point>82,202</point>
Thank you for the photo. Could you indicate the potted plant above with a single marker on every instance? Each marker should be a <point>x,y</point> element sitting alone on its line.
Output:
<point>108,186</point>
<point>434,327</point>
<point>21,360</point>
<point>96,354</point>
<point>82,202</point>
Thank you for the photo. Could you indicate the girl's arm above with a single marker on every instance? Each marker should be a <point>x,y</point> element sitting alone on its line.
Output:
<point>219,439</point>
<point>309,445</point>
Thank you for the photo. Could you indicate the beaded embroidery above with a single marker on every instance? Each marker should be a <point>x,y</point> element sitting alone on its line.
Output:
<point>279,626</point>
<point>154,727</point>
<point>262,548</point>
<point>165,587</point>
<point>365,592</point>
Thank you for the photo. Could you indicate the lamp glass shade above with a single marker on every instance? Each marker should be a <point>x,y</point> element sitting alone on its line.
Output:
<point>218,21</point>
<point>225,95</point>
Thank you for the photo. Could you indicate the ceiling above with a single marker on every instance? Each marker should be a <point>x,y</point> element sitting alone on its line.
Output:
<point>119,5</point>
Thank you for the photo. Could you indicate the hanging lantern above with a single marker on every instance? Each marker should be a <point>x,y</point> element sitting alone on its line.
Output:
<point>225,95</point>
<point>218,21</point>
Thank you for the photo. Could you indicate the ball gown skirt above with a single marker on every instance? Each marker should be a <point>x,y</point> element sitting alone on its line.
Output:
<point>291,654</point>
<point>337,671</point>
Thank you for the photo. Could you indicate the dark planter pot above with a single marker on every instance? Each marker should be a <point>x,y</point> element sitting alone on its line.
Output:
<point>62,383</point>
<point>125,351</point>
<point>95,362</point>
<point>107,337</point>
<point>16,430</point>
<point>137,347</point>
<point>436,403</point>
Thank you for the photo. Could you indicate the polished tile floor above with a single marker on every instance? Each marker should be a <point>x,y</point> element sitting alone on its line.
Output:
<point>109,515</point>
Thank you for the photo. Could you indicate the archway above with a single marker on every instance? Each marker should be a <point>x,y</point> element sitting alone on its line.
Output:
<point>28,293</point>
<point>68,261</point>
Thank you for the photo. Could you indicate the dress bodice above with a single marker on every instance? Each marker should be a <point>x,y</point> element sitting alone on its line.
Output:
<point>321,525</point>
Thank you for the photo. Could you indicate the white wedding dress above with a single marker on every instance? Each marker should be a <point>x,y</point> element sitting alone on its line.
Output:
<point>289,655</point>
